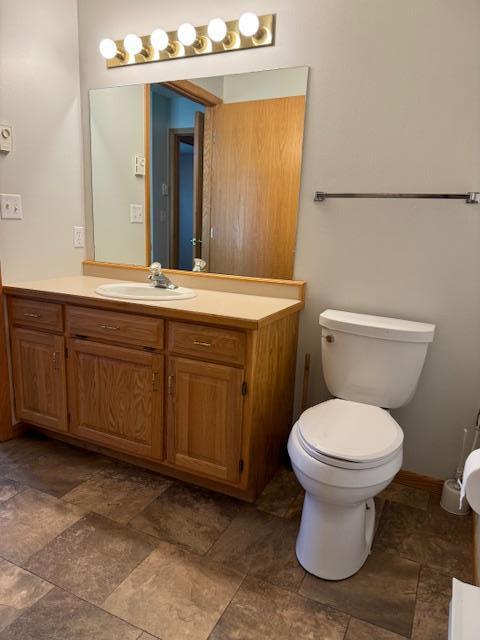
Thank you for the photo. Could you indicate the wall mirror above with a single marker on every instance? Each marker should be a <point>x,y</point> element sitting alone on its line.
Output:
<point>202,173</point>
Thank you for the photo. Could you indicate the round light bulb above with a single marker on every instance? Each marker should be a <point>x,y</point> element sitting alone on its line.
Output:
<point>248,24</point>
<point>108,48</point>
<point>217,30</point>
<point>159,39</point>
<point>133,44</point>
<point>187,34</point>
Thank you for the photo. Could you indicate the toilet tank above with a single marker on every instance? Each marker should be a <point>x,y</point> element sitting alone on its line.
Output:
<point>373,359</point>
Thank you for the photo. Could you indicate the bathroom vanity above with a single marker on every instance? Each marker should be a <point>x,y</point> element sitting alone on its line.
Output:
<point>198,389</point>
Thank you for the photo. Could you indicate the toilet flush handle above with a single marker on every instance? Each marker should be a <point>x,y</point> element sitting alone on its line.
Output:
<point>329,338</point>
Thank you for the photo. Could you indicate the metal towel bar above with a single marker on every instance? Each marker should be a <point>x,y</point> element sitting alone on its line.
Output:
<point>472,197</point>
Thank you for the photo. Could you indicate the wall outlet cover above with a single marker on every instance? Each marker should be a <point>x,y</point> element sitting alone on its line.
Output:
<point>11,206</point>
<point>139,165</point>
<point>78,237</point>
<point>5,138</point>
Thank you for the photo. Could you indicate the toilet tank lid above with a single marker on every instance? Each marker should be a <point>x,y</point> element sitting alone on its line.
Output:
<point>377,326</point>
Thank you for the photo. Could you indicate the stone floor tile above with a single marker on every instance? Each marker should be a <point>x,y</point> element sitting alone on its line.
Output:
<point>433,537</point>
<point>29,520</point>
<point>175,594</point>
<point>48,465</point>
<point>19,590</point>
<point>431,610</point>
<point>92,557</point>
<point>61,616</point>
<point>262,545</point>
<point>186,515</point>
<point>9,488</point>
<point>280,493</point>
<point>382,592</point>
<point>294,511</point>
<point>359,630</point>
<point>261,611</point>
<point>406,495</point>
<point>119,492</point>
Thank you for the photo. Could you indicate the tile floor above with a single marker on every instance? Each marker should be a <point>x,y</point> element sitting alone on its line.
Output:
<point>94,548</point>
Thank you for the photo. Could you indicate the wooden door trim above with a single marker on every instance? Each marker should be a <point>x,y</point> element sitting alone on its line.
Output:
<point>6,422</point>
<point>193,91</point>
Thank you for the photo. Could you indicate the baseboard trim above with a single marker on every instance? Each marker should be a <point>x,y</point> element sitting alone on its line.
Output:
<point>417,481</point>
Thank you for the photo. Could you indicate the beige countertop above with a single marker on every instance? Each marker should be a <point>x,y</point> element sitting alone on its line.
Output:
<point>217,307</point>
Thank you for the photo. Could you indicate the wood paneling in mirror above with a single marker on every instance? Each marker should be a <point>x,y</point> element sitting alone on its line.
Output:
<point>254,186</point>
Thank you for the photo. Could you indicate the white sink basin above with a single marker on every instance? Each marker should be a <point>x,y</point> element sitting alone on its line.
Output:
<point>140,291</point>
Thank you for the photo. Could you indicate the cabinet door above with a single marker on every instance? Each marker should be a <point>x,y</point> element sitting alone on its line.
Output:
<point>38,361</point>
<point>116,397</point>
<point>205,406</point>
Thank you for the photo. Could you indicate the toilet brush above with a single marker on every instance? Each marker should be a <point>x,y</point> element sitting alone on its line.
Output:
<point>450,500</point>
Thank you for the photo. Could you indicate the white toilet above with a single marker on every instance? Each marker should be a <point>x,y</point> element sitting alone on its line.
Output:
<point>345,451</point>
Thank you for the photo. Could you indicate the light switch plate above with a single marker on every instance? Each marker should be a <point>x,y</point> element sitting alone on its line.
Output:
<point>11,206</point>
<point>136,213</point>
<point>78,237</point>
<point>139,165</point>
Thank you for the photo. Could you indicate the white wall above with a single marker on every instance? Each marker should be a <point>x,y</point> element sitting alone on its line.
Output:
<point>40,98</point>
<point>394,104</point>
<point>117,134</point>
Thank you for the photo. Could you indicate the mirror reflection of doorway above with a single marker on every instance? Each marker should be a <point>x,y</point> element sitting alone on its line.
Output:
<point>186,193</point>
<point>176,139</point>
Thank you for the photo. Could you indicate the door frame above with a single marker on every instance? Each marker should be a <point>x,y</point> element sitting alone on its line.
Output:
<point>175,137</point>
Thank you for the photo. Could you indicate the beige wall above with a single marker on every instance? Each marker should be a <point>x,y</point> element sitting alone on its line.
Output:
<point>40,98</point>
<point>117,135</point>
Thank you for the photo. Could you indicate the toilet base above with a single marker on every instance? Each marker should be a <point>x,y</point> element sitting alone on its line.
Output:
<point>334,541</point>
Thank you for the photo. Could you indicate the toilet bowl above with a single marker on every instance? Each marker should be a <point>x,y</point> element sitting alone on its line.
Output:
<point>346,450</point>
<point>338,516</point>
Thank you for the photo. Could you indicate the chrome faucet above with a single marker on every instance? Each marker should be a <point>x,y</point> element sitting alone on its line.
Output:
<point>159,279</point>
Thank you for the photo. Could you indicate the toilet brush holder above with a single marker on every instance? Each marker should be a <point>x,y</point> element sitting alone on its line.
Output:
<point>450,500</point>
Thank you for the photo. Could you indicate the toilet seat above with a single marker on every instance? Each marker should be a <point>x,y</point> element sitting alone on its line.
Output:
<point>350,435</point>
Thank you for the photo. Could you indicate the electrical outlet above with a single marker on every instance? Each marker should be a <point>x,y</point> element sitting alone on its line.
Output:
<point>136,213</point>
<point>78,237</point>
<point>5,138</point>
<point>11,206</point>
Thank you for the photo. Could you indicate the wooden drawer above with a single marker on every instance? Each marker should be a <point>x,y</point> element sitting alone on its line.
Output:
<point>118,327</point>
<point>35,314</point>
<point>211,343</point>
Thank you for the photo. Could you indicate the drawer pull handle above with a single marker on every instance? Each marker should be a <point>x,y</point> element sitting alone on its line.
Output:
<point>32,315</point>
<point>110,327</point>
<point>202,344</point>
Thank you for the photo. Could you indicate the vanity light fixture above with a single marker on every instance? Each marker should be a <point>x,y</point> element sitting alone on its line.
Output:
<point>133,45</point>
<point>250,31</point>
<point>109,50</point>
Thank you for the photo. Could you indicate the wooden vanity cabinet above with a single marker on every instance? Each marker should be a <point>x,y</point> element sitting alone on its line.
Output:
<point>116,397</point>
<point>203,402</point>
<point>38,365</point>
<point>205,410</point>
